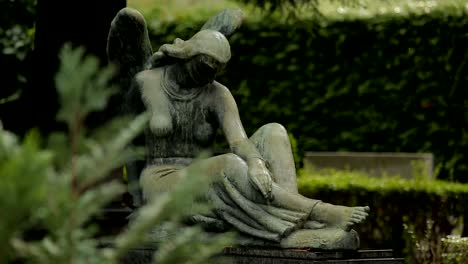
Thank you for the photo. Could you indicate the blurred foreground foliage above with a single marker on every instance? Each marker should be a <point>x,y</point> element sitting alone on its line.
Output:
<point>409,216</point>
<point>52,189</point>
<point>388,78</point>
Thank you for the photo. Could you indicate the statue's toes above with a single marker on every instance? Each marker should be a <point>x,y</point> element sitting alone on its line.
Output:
<point>357,219</point>
<point>360,212</point>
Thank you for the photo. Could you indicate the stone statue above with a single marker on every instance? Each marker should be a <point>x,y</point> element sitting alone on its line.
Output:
<point>253,188</point>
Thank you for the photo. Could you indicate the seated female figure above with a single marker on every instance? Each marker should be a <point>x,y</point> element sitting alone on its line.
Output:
<point>254,188</point>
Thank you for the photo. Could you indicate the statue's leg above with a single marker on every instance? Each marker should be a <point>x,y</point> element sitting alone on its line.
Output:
<point>234,168</point>
<point>272,142</point>
<point>156,180</point>
<point>332,235</point>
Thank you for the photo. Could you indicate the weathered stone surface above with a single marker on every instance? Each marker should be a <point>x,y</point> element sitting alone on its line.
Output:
<point>252,255</point>
<point>253,189</point>
<point>241,255</point>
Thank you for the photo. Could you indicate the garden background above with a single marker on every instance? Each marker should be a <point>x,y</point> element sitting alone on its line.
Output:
<point>383,76</point>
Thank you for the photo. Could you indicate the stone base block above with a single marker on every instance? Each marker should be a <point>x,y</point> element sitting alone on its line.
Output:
<point>291,256</point>
<point>248,255</point>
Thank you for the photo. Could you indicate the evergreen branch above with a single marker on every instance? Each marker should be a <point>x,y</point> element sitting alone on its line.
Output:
<point>91,201</point>
<point>148,217</point>
<point>61,195</point>
<point>109,155</point>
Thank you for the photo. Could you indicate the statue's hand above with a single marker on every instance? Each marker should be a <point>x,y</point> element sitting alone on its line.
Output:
<point>260,177</point>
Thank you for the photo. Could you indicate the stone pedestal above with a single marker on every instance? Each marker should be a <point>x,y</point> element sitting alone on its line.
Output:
<point>296,256</point>
<point>246,255</point>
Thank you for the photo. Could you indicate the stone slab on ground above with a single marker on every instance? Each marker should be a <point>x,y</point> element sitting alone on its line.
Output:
<point>375,163</point>
<point>290,256</point>
<point>245,255</point>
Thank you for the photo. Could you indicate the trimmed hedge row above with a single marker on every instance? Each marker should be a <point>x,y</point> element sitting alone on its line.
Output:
<point>456,249</point>
<point>424,207</point>
<point>393,83</point>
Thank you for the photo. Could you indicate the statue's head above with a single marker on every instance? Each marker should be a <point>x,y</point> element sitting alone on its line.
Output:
<point>204,55</point>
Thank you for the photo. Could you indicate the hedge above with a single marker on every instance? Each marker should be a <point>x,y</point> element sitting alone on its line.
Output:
<point>395,82</point>
<point>403,211</point>
<point>456,249</point>
<point>16,43</point>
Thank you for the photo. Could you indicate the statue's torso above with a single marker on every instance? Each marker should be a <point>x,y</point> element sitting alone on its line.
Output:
<point>179,128</point>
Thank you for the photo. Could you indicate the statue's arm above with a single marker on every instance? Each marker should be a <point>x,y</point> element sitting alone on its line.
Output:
<point>228,117</point>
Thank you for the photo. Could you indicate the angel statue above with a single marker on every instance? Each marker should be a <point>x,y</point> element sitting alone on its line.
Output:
<point>253,189</point>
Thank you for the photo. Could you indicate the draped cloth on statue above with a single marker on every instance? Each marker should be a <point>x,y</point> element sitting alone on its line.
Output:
<point>230,205</point>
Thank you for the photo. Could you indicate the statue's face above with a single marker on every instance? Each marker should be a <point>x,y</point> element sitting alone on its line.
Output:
<point>203,69</point>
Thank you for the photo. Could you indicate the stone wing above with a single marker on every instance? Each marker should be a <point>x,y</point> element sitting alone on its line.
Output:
<point>226,22</point>
<point>128,45</point>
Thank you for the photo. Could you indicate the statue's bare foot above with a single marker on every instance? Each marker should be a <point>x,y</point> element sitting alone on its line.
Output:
<point>339,216</point>
<point>358,215</point>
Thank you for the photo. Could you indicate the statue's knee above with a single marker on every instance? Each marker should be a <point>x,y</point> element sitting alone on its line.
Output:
<point>275,130</point>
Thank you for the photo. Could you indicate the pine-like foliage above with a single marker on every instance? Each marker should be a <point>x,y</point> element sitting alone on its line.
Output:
<point>50,189</point>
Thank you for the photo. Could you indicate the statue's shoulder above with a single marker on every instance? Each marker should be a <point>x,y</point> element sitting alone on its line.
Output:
<point>219,89</point>
<point>220,96</point>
